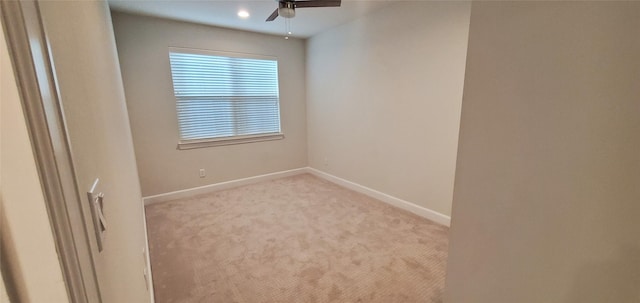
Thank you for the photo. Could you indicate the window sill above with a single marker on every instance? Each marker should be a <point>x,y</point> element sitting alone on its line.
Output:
<point>192,144</point>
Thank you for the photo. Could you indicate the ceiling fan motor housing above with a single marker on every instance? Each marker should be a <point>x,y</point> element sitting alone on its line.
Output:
<point>287,9</point>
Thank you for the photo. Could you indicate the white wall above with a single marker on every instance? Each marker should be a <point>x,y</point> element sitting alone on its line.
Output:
<point>91,91</point>
<point>26,238</point>
<point>384,96</point>
<point>547,197</point>
<point>143,48</point>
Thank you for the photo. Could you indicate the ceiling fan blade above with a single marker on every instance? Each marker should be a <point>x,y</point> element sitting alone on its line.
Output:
<point>273,15</point>
<point>318,3</point>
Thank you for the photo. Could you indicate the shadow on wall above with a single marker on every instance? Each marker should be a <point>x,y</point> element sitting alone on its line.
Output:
<point>615,280</point>
<point>7,256</point>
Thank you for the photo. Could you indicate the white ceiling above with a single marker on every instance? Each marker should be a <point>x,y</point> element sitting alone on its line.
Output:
<point>307,22</point>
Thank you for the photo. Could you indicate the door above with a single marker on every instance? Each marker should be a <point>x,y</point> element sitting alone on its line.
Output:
<point>68,210</point>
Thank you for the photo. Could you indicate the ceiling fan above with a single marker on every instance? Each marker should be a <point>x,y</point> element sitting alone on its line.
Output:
<point>287,8</point>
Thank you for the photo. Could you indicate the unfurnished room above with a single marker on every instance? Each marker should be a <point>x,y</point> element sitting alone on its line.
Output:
<point>320,151</point>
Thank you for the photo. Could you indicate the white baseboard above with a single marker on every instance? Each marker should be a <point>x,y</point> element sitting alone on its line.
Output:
<point>397,202</point>
<point>220,186</point>
<point>408,206</point>
<point>147,258</point>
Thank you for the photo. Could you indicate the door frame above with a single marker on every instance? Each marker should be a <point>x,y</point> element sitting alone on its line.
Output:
<point>34,70</point>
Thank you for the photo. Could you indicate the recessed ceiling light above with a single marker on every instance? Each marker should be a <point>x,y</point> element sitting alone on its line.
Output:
<point>243,14</point>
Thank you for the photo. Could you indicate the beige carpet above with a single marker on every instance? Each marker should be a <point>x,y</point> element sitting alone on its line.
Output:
<point>296,239</point>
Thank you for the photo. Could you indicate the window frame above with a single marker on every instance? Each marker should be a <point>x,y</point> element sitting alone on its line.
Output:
<point>228,140</point>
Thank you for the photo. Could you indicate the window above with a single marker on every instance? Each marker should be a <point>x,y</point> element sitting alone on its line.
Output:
<point>224,98</point>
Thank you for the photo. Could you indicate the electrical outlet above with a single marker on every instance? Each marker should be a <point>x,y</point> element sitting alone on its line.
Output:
<point>202,173</point>
<point>326,161</point>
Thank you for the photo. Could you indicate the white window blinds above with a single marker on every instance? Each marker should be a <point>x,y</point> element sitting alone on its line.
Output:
<point>220,97</point>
